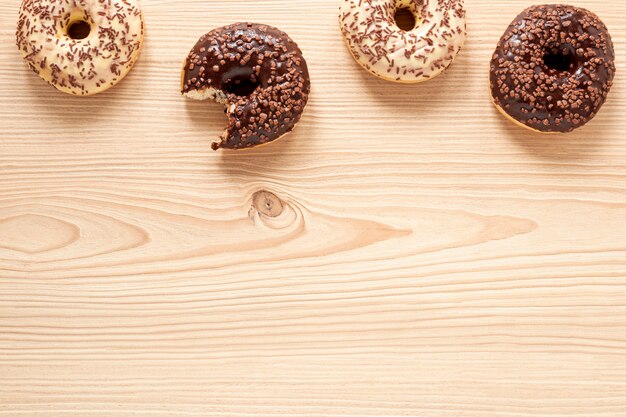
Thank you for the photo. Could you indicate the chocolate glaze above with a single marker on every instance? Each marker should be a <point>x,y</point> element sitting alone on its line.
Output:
<point>553,96</point>
<point>263,75</point>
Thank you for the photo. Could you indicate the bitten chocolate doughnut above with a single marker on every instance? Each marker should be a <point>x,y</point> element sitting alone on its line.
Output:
<point>553,68</point>
<point>81,47</point>
<point>258,72</point>
<point>406,56</point>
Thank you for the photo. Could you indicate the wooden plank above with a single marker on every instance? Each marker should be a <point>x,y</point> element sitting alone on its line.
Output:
<point>425,257</point>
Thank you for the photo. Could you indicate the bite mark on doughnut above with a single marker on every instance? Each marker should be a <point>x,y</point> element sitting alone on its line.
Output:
<point>211,94</point>
<point>218,96</point>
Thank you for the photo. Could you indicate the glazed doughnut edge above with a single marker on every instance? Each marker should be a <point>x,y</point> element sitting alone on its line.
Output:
<point>518,123</point>
<point>387,79</point>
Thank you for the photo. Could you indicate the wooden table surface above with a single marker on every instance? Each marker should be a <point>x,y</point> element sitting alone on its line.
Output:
<point>406,252</point>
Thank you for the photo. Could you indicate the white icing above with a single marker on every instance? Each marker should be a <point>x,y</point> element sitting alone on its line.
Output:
<point>381,47</point>
<point>80,66</point>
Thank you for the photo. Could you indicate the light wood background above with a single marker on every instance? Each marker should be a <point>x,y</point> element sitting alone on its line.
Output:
<point>406,252</point>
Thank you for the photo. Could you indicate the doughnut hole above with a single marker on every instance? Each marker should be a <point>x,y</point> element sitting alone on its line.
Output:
<point>78,29</point>
<point>241,82</point>
<point>560,60</point>
<point>405,19</point>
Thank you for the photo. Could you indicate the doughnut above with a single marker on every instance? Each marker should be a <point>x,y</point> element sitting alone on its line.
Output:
<point>553,68</point>
<point>80,47</point>
<point>405,56</point>
<point>258,73</point>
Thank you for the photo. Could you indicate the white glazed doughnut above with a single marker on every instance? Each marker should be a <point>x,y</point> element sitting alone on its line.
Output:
<point>385,50</point>
<point>81,47</point>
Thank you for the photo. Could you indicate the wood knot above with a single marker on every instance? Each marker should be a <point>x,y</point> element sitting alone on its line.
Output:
<point>267,204</point>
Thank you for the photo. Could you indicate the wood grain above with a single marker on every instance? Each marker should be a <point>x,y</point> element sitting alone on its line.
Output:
<point>406,252</point>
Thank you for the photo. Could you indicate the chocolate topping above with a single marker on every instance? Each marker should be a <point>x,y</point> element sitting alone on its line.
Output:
<point>553,68</point>
<point>261,75</point>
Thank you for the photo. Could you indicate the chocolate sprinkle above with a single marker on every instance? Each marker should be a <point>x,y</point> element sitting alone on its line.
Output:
<point>553,68</point>
<point>261,57</point>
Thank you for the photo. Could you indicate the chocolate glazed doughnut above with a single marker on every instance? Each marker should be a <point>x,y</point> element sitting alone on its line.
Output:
<point>258,72</point>
<point>553,68</point>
